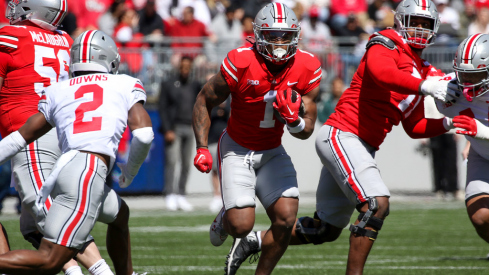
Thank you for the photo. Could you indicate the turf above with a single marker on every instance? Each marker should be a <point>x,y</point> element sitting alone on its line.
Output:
<point>417,238</point>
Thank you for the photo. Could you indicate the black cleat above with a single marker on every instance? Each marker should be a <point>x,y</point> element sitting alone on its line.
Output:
<point>241,249</point>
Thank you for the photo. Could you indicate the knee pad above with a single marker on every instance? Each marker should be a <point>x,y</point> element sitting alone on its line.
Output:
<point>291,193</point>
<point>367,219</point>
<point>245,202</point>
<point>308,233</point>
<point>34,238</point>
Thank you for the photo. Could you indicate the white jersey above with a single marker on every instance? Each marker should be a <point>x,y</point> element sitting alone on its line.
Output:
<point>478,109</point>
<point>90,114</point>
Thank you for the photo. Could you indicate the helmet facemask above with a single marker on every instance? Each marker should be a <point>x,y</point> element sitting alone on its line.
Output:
<point>473,83</point>
<point>416,37</point>
<point>276,45</point>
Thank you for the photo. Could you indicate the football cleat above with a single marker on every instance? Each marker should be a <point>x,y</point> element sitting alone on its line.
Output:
<point>217,234</point>
<point>240,250</point>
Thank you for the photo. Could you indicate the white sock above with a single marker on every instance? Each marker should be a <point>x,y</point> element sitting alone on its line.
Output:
<point>100,268</point>
<point>74,270</point>
<point>258,236</point>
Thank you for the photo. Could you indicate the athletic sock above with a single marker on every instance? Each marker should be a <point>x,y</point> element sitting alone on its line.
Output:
<point>74,270</point>
<point>258,236</point>
<point>100,268</point>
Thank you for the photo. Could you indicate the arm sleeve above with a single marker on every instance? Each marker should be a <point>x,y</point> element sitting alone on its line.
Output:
<point>417,126</point>
<point>5,60</point>
<point>381,63</point>
<point>229,71</point>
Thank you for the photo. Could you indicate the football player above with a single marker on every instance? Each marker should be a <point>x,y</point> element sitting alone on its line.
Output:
<point>34,55</point>
<point>471,116</point>
<point>252,162</point>
<point>388,88</point>
<point>90,112</point>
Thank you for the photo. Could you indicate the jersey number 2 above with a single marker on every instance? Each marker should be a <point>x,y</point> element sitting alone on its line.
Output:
<point>80,126</point>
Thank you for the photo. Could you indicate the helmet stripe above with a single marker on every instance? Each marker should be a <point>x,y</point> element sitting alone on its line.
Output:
<point>85,46</point>
<point>279,12</point>
<point>62,9</point>
<point>423,4</point>
<point>467,53</point>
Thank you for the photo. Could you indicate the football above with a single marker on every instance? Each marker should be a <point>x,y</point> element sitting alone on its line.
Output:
<point>302,108</point>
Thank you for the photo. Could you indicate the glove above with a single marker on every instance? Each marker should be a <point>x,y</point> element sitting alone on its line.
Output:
<point>203,160</point>
<point>470,127</point>
<point>125,179</point>
<point>441,90</point>
<point>287,109</point>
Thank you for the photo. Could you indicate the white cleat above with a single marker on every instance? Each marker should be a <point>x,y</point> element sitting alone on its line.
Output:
<point>171,202</point>
<point>217,233</point>
<point>184,204</point>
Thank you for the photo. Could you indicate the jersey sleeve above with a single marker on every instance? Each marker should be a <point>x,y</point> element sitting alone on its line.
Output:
<point>229,71</point>
<point>5,61</point>
<point>44,107</point>
<point>418,126</point>
<point>381,64</point>
<point>314,77</point>
<point>10,38</point>
<point>137,94</point>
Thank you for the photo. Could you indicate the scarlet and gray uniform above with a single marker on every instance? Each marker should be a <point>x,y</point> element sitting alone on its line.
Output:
<point>90,115</point>
<point>383,92</point>
<point>478,161</point>
<point>251,157</point>
<point>31,59</point>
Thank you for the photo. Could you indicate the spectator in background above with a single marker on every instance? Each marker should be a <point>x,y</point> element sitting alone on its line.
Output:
<point>481,22</point>
<point>131,41</point>
<point>449,21</point>
<point>88,12</point>
<point>315,34</point>
<point>247,24</point>
<point>70,26</point>
<point>150,23</point>
<point>329,101</point>
<point>109,19</point>
<point>380,11</point>
<point>341,11</point>
<point>228,30</point>
<point>186,28</point>
<point>177,98</point>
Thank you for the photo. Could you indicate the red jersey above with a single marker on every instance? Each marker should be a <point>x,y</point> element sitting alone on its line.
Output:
<point>384,91</point>
<point>31,59</point>
<point>253,89</point>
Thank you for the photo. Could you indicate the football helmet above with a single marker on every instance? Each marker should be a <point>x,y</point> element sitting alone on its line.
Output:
<point>471,65</point>
<point>276,27</point>
<point>94,51</point>
<point>403,16</point>
<point>47,14</point>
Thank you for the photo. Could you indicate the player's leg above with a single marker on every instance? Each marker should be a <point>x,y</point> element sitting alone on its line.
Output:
<point>276,187</point>
<point>477,193</point>
<point>237,174</point>
<point>4,244</point>
<point>351,162</point>
<point>49,259</point>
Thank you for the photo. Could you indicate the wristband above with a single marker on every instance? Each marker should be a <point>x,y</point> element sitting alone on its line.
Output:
<point>448,123</point>
<point>298,128</point>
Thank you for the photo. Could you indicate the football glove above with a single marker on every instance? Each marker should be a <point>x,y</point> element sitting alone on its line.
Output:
<point>125,179</point>
<point>440,89</point>
<point>203,160</point>
<point>287,109</point>
<point>471,127</point>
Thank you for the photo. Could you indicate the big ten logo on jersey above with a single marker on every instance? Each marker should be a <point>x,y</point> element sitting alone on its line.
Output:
<point>253,82</point>
<point>51,39</point>
<point>88,78</point>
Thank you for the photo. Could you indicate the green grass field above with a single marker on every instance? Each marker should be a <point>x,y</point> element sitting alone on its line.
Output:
<point>417,238</point>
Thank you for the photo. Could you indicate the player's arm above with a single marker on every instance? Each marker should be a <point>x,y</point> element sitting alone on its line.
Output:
<point>417,125</point>
<point>35,127</point>
<point>471,127</point>
<point>310,115</point>
<point>140,125</point>
<point>214,92</point>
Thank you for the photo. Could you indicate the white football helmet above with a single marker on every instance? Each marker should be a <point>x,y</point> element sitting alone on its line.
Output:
<point>47,14</point>
<point>276,25</point>
<point>408,9</point>
<point>471,65</point>
<point>94,51</point>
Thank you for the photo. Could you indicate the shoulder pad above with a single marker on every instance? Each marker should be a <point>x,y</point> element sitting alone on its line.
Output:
<point>241,57</point>
<point>382,40</point>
